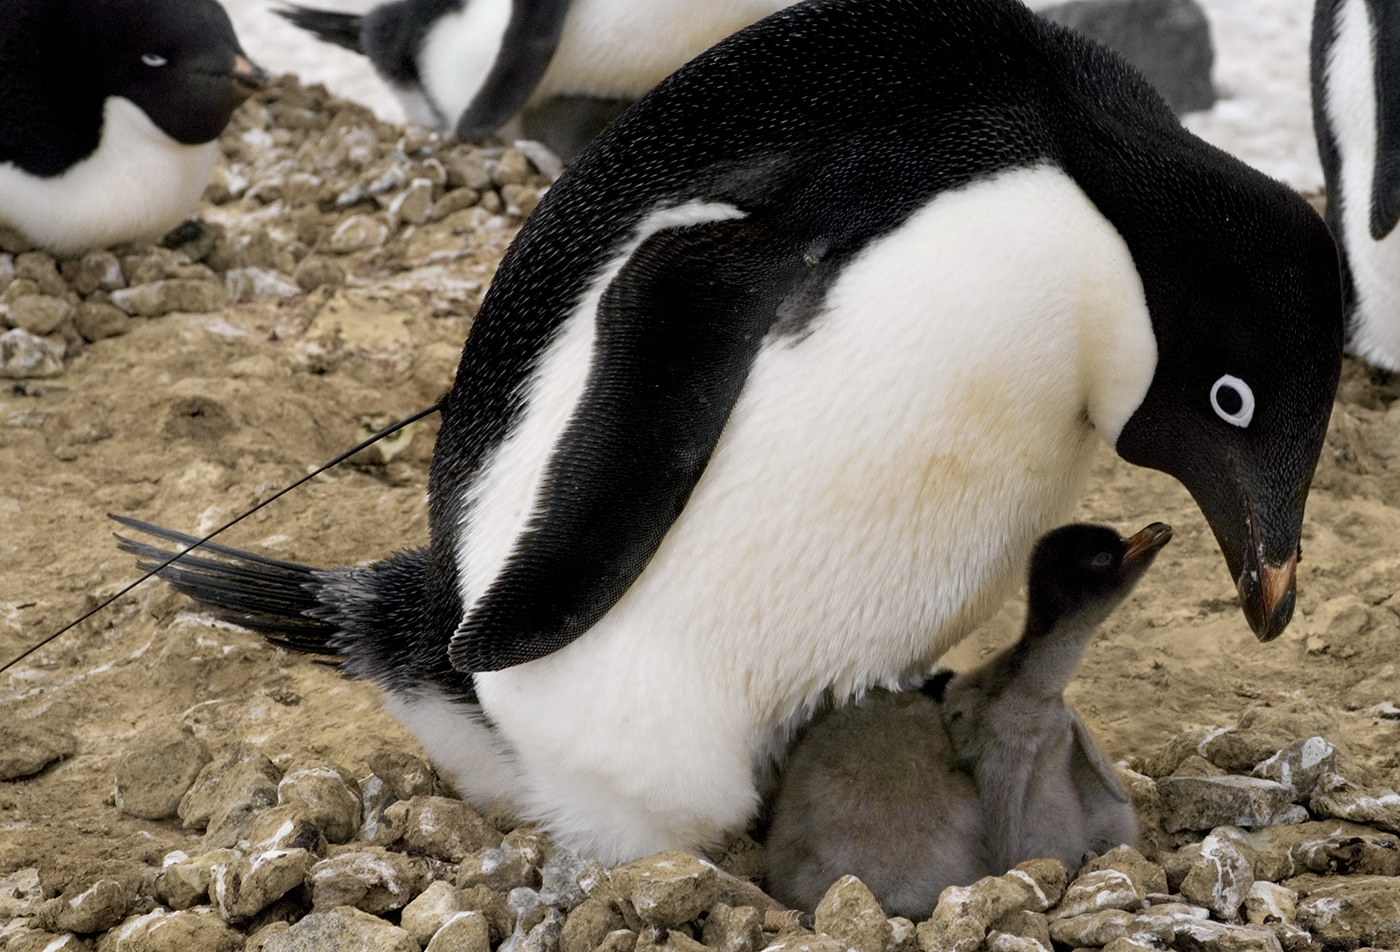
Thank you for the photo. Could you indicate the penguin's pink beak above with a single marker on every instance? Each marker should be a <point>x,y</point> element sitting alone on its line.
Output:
<point>248,77</point>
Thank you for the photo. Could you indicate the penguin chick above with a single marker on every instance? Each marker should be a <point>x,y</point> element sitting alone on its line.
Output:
<point>773,393</point>
<point>916,791</point>
<point>562,68</point>
<point>1356,114</point>
<point>109,112</point>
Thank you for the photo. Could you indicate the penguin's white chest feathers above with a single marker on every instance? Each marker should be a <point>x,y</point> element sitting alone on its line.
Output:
<point>1351,109</point>
<point>136,186</point>
<point>874,496</point>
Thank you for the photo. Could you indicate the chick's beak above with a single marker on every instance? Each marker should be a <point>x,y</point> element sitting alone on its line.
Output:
<point>247,76</point>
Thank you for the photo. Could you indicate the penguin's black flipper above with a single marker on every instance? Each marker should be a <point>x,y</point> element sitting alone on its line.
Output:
<point>267,595</point>
<point>342,29</point>
<point>677,331</point>
<point>531,37</point>
<point>1385,189</point>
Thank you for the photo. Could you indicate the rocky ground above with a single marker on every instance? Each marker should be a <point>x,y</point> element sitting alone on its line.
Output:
<point>170,782</point>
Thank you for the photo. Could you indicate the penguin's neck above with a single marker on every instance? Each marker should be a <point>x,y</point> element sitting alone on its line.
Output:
<point>1046,657</point>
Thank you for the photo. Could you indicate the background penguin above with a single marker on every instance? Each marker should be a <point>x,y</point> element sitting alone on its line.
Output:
<point>471,66</point>
<point>1356,114</point>
<point>912,792</point>
<point>773,393</point>
<point>108,114</point>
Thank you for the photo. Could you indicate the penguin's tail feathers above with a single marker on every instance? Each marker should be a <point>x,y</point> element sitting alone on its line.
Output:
<point>277,598</point>
<point>342,29</point>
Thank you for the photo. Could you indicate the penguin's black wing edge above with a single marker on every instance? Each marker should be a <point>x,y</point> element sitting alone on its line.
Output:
<point>531,37</point>
<point>677,331</point>
<point>342,29</point>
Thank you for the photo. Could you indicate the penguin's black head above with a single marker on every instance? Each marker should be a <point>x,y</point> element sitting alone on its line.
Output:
<point>1244,291</point>
<point>179,60</point>
<point>1080,570</point>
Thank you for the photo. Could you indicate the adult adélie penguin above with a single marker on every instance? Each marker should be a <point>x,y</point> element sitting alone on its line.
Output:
<point>1356,115</point>
<point>773,393</point>
<point>109,115</point>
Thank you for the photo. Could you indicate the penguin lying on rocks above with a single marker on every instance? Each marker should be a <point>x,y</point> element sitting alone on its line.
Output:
<point>109,112</point>
<point>571,66</point>
<point>772,394</point>
<point>919,790</point>
<point>1356,115</point>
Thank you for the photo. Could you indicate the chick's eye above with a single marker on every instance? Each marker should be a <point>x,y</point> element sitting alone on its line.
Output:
<point>1101,561</point>
<point>153,59</point>
<point>1232,400</point>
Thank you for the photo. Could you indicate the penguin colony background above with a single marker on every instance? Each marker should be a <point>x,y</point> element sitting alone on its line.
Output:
<point>743,427</point>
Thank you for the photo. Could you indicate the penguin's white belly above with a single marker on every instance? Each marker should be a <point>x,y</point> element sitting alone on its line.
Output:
<point>873,497</point>
<point>621,50</point>
<point>1375,265</point>
<point>136,186</point>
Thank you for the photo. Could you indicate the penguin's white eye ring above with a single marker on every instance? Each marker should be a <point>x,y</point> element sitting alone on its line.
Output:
<point>1101,561</point>
<point>1232,400</point>
<point>153,59</point>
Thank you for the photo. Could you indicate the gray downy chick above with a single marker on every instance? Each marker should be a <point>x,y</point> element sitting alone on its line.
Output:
<point>916,791</point>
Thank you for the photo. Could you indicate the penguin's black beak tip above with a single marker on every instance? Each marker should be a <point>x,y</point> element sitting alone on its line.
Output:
<point>248,77</point>
<point>1267,595</point>
<point>1149,539</point>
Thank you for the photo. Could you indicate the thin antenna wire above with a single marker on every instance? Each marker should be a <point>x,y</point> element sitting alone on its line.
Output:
<point>392,428</point>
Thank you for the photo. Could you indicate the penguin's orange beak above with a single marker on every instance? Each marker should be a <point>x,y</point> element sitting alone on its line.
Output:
<point>248,77</point>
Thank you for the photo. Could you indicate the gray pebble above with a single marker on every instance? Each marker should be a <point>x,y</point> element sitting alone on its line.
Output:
<point>96,270</point>
<point>315,271</point>
<point>27,748</point>
<point>164,931</point>
<point>159,766</point>
<point>1092,928</point>
<point>357,233</point>
<point>156,298</point>
<point>559,880</point>
<point>440,827</point>
<point>1099,890</point>
<point>1220,879</point>
<point>374,880</point>
<point>242,888</point>
<point>431,909</point>
<point>228,793</point>
<point>94,908</point>
<point>411,206</point>
<point>407,776</point>
<point>98,320</point>
<point>1203,803</point>
<point>39,313</point>
<point>464,932</point>
<point>850,913</point>
<point>184,881</point>
<point>326,795</point>
<point>341,930</point>
<point>1357,909</point>
<point>502,868</point>
<point>669,888</point>
<point>244,284</point>
<point>285,827</point>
